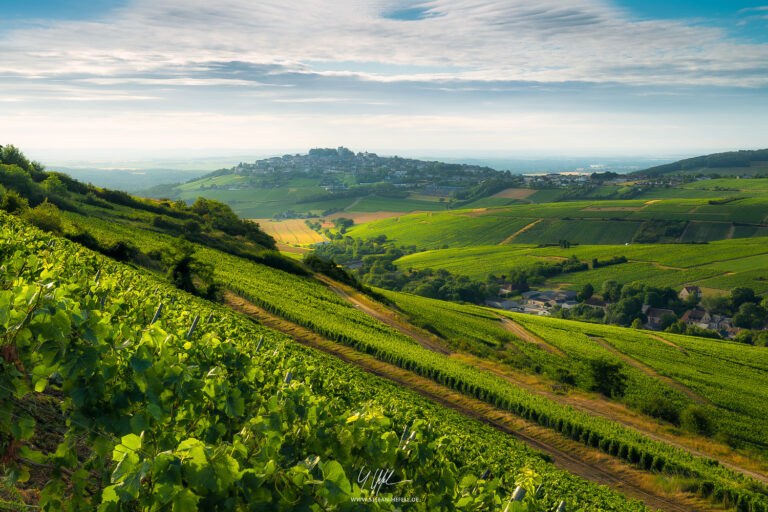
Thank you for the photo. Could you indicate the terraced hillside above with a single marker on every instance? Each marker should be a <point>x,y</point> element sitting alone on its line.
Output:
<point>583,222</point>
<point>119,391</point>
<point>720,265</point>
<point>309,304</point>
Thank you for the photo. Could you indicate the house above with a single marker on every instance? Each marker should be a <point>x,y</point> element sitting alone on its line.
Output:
<point>689,290</point>
<point>697,317</point>
<point>720,323</point>
<point>507,305</point>
<point>655,314</point>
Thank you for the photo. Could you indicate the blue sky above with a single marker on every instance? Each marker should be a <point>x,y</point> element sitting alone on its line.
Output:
<point>559,77</point>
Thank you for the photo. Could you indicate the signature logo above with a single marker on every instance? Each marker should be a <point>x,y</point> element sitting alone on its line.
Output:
<point>376,479</point>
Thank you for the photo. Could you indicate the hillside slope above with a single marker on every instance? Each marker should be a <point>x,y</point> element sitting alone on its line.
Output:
<point>733,162</point>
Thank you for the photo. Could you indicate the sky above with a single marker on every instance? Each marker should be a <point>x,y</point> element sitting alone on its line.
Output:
<point>165,78</point>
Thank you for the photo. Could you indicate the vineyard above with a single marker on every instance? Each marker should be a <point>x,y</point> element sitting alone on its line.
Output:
<point>118,392</point>
<point>310,304</point>
<point>730,377</point>
<point>719,265</point>
<point>585,222</point>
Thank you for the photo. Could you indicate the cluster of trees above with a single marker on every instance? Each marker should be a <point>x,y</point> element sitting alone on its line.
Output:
<point>487,188</point>
<point>606,263</point>
<point>748,310</point>
<point>523,278</point>
<point>374,259</point>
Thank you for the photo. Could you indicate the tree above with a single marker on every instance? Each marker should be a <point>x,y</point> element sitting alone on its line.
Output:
<point>625,311</point>
<point>750,316</point>
<point>637,323</point>
<point>741,295</point>
<point>45,216</point>
<point>11,155</point>
<point>54,186</point>
<point>696,419</point>
<point>184,269</point>
<point>611,291</point>
<point>12,202</point>
<point>608,378</point>
<point>691,301</point>
<point>719,304</point>
<point>667,319</point>
<point>586,292</point>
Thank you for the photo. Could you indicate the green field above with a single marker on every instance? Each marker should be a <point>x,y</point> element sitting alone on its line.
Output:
<point>387,204</point>
<point>745,185</point>
<point>585,222</point>
<point>744,260</point>
<point>730,375</point>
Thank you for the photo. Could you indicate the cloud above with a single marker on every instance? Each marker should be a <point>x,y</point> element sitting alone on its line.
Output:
<point>166,72</point>
<point>551,40</point>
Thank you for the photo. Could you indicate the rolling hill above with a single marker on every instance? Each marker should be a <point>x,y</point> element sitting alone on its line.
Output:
<point>738,163</point>
<point>267,386</point>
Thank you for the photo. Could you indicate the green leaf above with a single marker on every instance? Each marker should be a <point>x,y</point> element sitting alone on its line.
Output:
<point>185,501</point>
<point>128,444</point>
<point>336,482</point>
<point>40,385</point>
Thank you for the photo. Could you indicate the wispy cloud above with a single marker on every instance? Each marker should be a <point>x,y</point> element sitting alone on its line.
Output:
<point>346,62</point>
<point>550,40</point>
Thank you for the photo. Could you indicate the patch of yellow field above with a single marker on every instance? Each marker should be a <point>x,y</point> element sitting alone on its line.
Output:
<point>290,232</point>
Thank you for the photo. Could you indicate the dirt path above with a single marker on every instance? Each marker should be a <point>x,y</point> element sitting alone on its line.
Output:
<point>612,411</point>
<point>526,335</point>
<point>622,415</point>
<point>667,342</point>
<point>584,402</point>
<point>513,235</point>
<point>354,203</point>
<point>586,462</point>
<point>384,315</point>
<point>687,225</point>
<point>651,372</point>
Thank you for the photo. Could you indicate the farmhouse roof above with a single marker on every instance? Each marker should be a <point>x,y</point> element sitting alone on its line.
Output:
<point>694,315</point>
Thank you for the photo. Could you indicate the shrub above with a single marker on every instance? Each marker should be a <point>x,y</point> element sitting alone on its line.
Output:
<point>45,216</point>
<point>12,202</point>
<point>696,419</point>
<point>608,378</point>
<point>661,408</point>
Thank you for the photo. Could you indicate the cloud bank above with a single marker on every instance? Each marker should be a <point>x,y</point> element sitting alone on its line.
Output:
<point>336,61</point>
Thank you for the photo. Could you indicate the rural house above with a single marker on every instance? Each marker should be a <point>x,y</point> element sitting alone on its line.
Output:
<point>689,290</point>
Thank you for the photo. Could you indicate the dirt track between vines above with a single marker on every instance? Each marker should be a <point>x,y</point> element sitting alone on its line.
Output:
<point>582,401</point>
<point>586,462</point>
